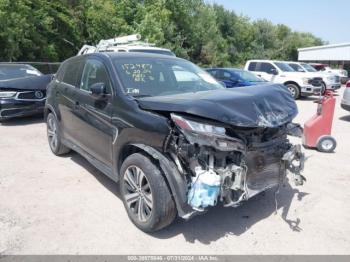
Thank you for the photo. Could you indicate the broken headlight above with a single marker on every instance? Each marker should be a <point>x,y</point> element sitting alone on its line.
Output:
<point>193,126</point>
<point>206,134</point>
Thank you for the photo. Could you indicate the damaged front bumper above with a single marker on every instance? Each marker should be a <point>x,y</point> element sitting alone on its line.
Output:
<point>227,169</point>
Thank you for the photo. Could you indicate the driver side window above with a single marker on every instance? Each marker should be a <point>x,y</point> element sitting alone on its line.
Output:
<point>267,68</point>
<point>94,72</point>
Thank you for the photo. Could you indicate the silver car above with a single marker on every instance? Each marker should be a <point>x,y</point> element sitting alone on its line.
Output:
<point>345,102</point>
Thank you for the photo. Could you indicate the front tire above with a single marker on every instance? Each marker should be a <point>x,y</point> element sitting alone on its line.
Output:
<point>54,136</point>
<point>145,194</point>
<point>294,90</point>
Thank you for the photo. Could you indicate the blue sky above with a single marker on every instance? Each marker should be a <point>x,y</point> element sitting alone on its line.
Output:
<point>328,19</point>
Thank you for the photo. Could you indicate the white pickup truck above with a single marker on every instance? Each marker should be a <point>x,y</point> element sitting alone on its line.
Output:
<point>299,84</point>
<point>331,81</point>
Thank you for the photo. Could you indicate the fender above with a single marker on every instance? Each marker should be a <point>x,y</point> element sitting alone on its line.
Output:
<point>176,181</point>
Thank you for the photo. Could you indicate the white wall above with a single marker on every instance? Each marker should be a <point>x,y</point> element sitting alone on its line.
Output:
<point>341,53</point>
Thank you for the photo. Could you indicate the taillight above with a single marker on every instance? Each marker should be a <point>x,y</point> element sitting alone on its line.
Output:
<point>348,84</point>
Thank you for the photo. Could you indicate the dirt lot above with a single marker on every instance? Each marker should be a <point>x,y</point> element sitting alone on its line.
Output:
<point>63,205</point>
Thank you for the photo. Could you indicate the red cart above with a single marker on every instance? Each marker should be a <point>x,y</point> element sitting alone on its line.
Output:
<point>317,130</point>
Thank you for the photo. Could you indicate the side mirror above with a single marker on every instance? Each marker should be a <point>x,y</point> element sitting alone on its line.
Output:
<point>274,71</point>
<point>98,89</point>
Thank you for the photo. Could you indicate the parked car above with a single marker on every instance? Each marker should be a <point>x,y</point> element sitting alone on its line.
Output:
<point>279,72</point>
<point>330,81</point>
<point>342,73</point>
<point>345,102</point>
<point>22,90</point>
<point>233,77</point>
<point>176,140</point>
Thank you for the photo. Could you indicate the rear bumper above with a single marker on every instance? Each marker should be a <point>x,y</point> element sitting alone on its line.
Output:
<point>10,108</point>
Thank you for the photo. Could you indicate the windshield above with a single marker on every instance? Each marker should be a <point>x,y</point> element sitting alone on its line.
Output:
<point>284,67</point>
<point>247,76</point>
<point>297,67</point>
<point>153,51</point>
<point>308,67</point>
<point>156,76</point>
<point>17,71</point>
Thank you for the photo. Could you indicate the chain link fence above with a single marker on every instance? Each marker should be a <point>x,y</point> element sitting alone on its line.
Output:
<point>44,67</point>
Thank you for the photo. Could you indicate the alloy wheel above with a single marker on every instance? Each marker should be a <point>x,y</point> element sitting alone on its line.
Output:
<point>327,144</point>
<point>292,91</point>
<point>138,194</point>
<point>52,133</point>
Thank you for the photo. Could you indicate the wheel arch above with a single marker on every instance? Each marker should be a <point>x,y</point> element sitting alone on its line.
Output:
<point>175,181</point>
<point>49,109</point>
<point>293,83</point>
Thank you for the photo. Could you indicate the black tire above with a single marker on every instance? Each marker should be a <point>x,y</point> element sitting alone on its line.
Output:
<point>294,90</point>
<point>326,144</point>
<point>323,88</point>
<point>163,211</point>
<point>54,137</point>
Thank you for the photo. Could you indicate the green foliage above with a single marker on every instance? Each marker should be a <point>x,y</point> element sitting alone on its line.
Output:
<point>209,35</point>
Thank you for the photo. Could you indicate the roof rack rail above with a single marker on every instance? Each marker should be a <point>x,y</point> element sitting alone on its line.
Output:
<point>129,43</point>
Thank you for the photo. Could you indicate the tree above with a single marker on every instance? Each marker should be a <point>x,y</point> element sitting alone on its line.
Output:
<point>206,34</point>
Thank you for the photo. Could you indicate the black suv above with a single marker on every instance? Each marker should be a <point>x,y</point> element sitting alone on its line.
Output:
<point>177,140</point>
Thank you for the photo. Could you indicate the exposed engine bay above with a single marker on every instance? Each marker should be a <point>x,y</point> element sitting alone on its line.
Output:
<point>230,164</point>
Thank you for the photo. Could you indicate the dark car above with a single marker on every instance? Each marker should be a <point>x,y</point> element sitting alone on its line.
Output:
<point>175,139</point>
<point>234,77</point>
<point>22,90</point>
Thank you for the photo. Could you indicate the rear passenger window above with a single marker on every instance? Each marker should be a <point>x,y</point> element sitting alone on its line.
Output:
<point>252,66</point>
<point>72,73</point>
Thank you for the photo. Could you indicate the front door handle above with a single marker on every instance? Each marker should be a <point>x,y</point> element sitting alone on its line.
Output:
<point>76,105</point>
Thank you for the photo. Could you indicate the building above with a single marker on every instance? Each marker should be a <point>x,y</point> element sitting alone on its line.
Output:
<point>337,56</point>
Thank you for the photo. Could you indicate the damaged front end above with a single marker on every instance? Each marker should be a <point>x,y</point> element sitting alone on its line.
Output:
<point>231,164</point>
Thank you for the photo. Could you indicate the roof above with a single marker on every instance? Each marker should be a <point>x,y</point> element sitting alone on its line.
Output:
<point>135,54</point>
<point>324,47</point>
<point>266,61</point>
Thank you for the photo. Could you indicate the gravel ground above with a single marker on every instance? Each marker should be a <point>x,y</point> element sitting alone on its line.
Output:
<point>63,205</point>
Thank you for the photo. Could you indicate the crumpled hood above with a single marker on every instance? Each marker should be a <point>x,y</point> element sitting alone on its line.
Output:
<point>268,105</point>
<point>27,83</point>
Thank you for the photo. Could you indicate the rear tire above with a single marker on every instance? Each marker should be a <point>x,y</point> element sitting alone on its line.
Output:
<point>294,90</point>
<point>326,144</point>
<point>54,136</point>
<point>145,194</point>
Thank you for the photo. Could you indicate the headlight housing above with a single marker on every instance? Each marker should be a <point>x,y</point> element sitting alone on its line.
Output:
<point>207,135</point>
<point>331,78</point>
<point>7,94</point>
<point>197,127</point>
<point>306,80</point>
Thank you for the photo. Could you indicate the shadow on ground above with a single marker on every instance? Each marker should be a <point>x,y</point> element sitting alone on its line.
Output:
<point>345,118</point>
<point>218,222</point>
<point>22,121</point>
